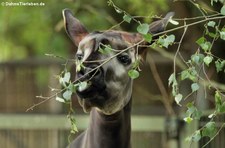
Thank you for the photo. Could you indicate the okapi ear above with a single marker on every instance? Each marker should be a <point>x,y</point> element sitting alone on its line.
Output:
<point>160,25</point>
<point>154,28</point>
<point>75,30</point>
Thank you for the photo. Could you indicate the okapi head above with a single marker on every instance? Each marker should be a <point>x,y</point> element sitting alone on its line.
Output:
<point>109,87</point>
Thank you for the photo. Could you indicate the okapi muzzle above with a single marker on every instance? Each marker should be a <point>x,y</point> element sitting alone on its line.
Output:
<point>108,93</point>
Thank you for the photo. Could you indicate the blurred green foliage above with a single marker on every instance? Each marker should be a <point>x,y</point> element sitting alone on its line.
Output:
<point>143,7</point>
<point>28,31</point>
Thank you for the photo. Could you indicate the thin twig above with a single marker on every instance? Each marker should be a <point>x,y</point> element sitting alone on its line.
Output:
<point>77,80</point>
<point>189,25</point>
<point>45,100</point>
<point>178,48</point>
<point>124,50</point>
<point>180,19</point>
<point>200,9</point>
<point>165,96</point>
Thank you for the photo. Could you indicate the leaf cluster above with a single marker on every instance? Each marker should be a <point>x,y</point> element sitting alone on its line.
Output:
<point>203,57</point>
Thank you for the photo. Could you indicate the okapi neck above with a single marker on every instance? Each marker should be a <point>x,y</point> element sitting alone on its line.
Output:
<point>125,112</point>
<point>110,131</point>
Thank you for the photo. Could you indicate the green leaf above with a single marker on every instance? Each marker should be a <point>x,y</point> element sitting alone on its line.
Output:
<point>188,139</point>
<point>200,41</point>
<point>66,77</point>
<point>79,65</point>
<point>193,112</point>
<point>165,42</point>
<point>60,99</point>
<point>208,59</point>
<point>209,130</point>
<point>185,74</point>
<point>222,11</point>
<point>222,35</point>
<point>72,87</point>
<point>73,128</point>
<point>197,58</point>
<point>190,73</point>
<point>178,98</point>
<point>127,18</point>
<point>191,109</point>
<point>193,71</point>
<point>148,37</point>
<point>105,50</point>
<point>143,28</point>
<point>211,24</point>
<point>218,98</point>
<point>197,114</point>
<point>194,87</point>
<point>222,108</point>
<point>136,64</point>
<point>161,41</point>
<point>133,73</point>
<point>188,119</point>
<point>82,85</point>
<point>213,35</point>
<point>171,79</point>
<point>219,65</point>
<point>197,136</point>
<point>206,46</point>
<point>218,101</point>
<point>170,39</point>
<point>67,95</point>
<point>61,81</point>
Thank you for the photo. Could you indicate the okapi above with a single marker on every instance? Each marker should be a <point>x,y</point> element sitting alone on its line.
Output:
<point>108,97</point>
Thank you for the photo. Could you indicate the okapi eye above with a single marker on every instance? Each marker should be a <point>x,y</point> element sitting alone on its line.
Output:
<point>124,59</point>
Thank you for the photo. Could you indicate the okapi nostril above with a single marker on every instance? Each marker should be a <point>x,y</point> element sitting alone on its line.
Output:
<point>79,57</point>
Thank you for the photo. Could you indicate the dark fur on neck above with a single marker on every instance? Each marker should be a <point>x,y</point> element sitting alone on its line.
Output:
<point>106,131</point>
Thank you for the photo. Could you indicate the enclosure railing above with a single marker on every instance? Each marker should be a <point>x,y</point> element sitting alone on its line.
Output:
<point>39,121</point>
<point>55,123</point>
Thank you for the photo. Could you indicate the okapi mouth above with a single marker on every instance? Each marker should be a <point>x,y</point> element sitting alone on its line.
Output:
<point>93,91</point>
<point>96,86</point>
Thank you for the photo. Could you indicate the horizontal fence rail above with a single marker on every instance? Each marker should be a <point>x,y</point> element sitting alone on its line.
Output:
<point>140,123</point>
